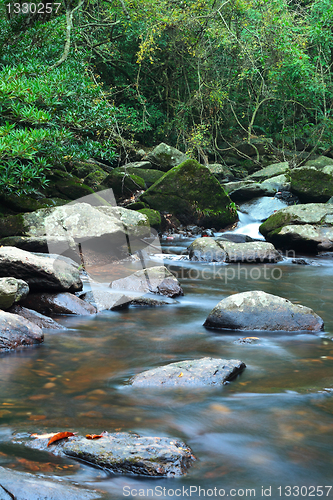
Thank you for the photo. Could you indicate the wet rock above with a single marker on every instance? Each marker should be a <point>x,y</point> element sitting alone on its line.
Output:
<point>57,303</point>
<point>113,301</point>
<point>165,157</point>
<point>258,310</point>
<point>206,250</point>
<point>301,262</point>
<point>124,453</point>
<point>39,272</point>
<point>306,227</point>
<point>287,197</point>
<point>236,237</point>
<point>311,184</point>
<point>191,193</point>
<point>220,250</point>
<point>18,332</point>
<point>24,486</point>
<point>156,279</point>
<point>36,318</point>
<point>247,340</point>
<point>255,251</point>
<point>207,232</point>
<point>276,169</point>
<point>12,290</point>
<point>190,373</point>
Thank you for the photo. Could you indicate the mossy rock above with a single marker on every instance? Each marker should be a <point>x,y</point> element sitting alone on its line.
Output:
<point>191,193</point>
<point>311,185</point>
<point>154,217</point>
<point>150,176</point>
<point>124,184</point>
<point>319,162</point>
<point>12,225</point>
<point>65,185</point>
<point>91,174</point>
<point>21,204</point>
<point>138,205</point>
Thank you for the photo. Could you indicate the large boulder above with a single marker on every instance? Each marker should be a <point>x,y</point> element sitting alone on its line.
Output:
<point>124,184</point>
<point>165,157</point>
<point>150,175</point>
<point>254,147</point>
<point>68,225</point>
<point>191,373</point>
<point>157,279</point>
<point>192,194</point>
<point>258,310</point>
<point>57,303</point>
<point>16,332</point>
<point>41,273</point>
<point>301,227</point>
<point>210,250</point>
<point>122,453</point>
<point>311,184</point>
<point>244,190</point>
<point>12,290</point>
<point>25,486</point>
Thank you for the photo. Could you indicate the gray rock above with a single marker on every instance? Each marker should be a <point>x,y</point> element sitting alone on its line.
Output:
<point>16,332</point>
<point>255,251</point>
<point>138,164</point>
<point>12,290</point>
<point>306,227</point>
<point>276,169</point>
<point>63,227</point>
<point>24,486</point>
<point>156,279</point>
<point>57,303</point>
<point>258,310</point>
<point>275,184</point>
<point>320,162</point>
<point>123,453</point>
<point>113,301</point>
<point>39,272</point>
<point>36,318</point>
<point>206,250</point>
<point>244,190</point>
<point>190,373</point>
<point>165,157</point>
<point>220,250</point>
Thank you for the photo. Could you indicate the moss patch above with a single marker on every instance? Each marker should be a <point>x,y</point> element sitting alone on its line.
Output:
<point>154,217</point>
<point>311,184</point>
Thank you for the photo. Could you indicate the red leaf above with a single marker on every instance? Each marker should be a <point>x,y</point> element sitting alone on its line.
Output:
<point>94,436</point>
<point>60,435</point>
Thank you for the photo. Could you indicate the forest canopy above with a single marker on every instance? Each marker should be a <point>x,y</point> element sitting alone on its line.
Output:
<point>78,78</point>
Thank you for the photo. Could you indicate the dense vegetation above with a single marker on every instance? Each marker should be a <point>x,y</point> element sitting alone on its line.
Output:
<point>82,81</point>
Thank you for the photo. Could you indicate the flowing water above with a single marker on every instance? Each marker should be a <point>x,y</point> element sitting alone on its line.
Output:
<point>268,430</point>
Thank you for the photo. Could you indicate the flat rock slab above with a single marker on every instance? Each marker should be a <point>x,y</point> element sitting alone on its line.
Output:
<point>40,273</point>
<point>24,486</point>
<point>259,310</point>
<point>58,303</point>
<point>18,332</point>
<point>113,301</point>
<point>36,318</point>
<point>123,453</point>
<point>191,373</point>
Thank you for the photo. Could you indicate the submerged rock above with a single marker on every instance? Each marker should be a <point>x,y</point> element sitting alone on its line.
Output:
<point>123,453</point>
<point>306,227</point>
<point>220,250</point>
<point>18,332</point>
<point>25,486</point>
<point>156,279</point>
<point>57,303</point>
<point>113,301</point>
<point>12,290</point>
<point>36,318</point>
<point>258,310</point>
<point>191,373</point>
<point>40,273</point>
<point>191,193</point>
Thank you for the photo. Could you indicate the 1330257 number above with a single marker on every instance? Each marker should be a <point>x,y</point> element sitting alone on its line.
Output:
<point>32,8</point>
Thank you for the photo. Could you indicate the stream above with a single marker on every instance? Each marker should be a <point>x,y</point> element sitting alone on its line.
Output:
<point>269,431</point>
